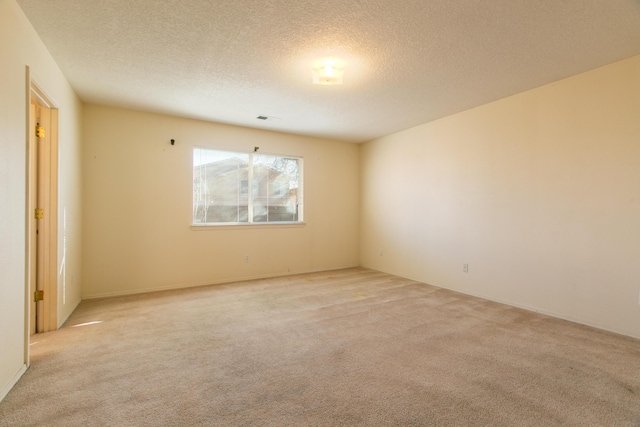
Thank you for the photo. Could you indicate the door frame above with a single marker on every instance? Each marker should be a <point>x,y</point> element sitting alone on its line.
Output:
<point>49,226</point>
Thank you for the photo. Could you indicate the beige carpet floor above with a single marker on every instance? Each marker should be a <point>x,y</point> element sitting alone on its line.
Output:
<point>351,347</point>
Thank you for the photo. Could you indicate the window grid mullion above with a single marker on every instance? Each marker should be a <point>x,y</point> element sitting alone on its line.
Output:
<point>250,190</point>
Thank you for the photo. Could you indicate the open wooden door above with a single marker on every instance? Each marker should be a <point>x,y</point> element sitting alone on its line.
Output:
<point>42,212</point>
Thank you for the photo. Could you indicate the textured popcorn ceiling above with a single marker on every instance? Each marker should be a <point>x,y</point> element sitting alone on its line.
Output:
<point>407,62</point>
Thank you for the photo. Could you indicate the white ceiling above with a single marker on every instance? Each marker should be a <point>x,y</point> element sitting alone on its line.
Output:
<point>407,61</point>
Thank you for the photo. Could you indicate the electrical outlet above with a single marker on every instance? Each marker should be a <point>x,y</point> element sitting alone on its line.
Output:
<point>246,258</point>
<point>465,268</point>
<point>381,252</point>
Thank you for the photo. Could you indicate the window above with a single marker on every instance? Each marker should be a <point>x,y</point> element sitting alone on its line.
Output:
<point>222,180</point>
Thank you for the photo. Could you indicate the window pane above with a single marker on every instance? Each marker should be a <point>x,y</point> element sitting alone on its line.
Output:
<point>239,187</point>
<point>217,186</point>
<point>277,181</point>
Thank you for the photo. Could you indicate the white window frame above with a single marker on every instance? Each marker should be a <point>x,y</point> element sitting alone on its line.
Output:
<point>251,189</point>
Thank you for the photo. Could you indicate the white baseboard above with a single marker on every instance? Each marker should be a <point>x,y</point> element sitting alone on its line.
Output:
<point>208,283</point>
<point>7,388</point>
<point>550,313</point>
<point>61,322</point>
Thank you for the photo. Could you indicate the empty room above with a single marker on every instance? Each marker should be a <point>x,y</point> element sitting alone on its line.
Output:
<point>295,213</point>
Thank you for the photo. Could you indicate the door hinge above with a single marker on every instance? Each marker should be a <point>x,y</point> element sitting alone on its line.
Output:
<point>39,131</point>
<point>39,213</point>
<point>38,296</point>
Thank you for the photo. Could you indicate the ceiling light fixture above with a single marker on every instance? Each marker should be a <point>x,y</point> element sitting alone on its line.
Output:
<point>328,72</point>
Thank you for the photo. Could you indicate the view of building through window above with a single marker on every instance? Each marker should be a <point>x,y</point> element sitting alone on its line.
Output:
<point>230,187</point>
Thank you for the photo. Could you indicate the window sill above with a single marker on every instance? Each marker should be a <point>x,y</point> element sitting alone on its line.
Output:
<point>244,226</point>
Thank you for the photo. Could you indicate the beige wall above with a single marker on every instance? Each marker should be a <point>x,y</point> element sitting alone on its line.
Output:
<point>138,206</point>
<point>538,193</point>
<point>21,47</point>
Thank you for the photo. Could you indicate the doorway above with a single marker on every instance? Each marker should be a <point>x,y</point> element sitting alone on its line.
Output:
<point>42,211</point>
